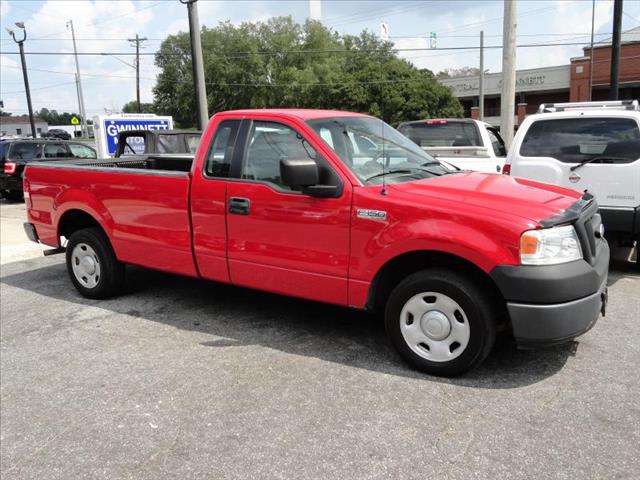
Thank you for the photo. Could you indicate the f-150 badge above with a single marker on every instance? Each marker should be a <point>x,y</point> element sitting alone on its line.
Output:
<point>372,214</point>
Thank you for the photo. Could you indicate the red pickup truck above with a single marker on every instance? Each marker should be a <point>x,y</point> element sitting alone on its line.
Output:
<point>341,208</point>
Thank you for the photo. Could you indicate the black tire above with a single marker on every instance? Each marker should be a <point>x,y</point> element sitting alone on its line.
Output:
<point>111,271</point>
<point>14,195</point>
<point>477,306</point>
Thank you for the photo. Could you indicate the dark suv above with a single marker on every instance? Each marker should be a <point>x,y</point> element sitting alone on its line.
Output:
<point>56,133</point>
<point>15,154</point>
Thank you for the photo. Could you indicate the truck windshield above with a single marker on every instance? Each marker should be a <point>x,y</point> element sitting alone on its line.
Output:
<point>442,133</point>
<point>369,147</point>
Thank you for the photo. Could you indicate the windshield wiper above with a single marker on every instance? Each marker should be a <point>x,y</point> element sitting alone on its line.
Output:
<point>437,162</point>
<point>596,159</point>
<point>402,170</point>
<point>392,171</point>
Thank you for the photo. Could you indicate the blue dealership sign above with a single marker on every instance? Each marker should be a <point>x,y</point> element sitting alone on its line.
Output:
<point>110,126</point>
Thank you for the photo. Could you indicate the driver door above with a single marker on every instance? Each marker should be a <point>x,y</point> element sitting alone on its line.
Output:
<point>279,239</point>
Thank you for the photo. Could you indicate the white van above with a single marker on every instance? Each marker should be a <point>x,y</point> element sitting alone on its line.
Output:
<point>592,146</point>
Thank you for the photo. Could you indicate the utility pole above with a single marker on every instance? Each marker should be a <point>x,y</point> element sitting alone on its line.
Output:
<point>481,80</point>
<point>615,50</point>
<point>315,10</point>
<point>83,116</point>
<point>20,43</point>
<point>507,100</point>
<point>137,42</point>
<point>197,63</point>
<point>593,20</point>
<point>75,129</point>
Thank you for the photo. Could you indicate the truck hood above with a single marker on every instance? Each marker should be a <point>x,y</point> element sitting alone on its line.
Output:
<point>502,193</point>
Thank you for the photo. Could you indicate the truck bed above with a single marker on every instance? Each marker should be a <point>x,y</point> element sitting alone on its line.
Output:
<point>157,162</point>
<point>143,202</point>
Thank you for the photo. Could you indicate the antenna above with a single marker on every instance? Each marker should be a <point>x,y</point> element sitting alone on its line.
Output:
<point>384,173</point>
<point>384,176</point>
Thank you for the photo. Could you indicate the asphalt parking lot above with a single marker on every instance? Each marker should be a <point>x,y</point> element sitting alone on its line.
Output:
<point>181,378</point>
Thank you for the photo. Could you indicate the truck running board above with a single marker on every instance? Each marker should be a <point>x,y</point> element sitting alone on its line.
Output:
<point>54,251</point>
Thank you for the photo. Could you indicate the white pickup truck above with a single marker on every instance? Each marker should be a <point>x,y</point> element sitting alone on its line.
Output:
<point>468,144</point>
<point>592,146</point>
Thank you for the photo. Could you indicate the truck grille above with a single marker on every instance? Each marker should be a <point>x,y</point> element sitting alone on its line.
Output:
<point>588,229</point>
<point>584,217</point>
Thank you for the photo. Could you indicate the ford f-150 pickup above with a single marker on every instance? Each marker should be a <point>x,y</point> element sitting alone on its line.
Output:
<point>338,207</point>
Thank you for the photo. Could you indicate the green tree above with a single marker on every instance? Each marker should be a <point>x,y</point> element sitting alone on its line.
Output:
<point>132,107</point>
<point>52,117</point>
<point>280,63</point>
<point>459,72</point>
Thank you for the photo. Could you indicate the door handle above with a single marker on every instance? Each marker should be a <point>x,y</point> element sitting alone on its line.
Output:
<point>239,205</point>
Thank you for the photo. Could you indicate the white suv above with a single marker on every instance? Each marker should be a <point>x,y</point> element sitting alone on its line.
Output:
<point>592,146</point>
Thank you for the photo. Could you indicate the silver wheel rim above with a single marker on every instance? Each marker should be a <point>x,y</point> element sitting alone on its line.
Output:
<point>85,265</point>
<point>434,326</point>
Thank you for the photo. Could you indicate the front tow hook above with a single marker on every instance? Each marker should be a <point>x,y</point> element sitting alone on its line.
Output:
<point>605,298</point>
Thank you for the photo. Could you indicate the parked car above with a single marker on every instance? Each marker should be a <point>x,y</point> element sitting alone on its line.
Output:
<point>337,207</point>
<point>468,144</point>
<point>56,133</point>
<point>151,142</point>
<point>15,154</point>
<point>591,147</point>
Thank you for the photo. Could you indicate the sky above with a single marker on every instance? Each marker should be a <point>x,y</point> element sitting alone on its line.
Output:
<point>104,26</point>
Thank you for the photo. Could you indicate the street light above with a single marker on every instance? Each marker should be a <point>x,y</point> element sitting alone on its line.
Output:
<point>20,43</point>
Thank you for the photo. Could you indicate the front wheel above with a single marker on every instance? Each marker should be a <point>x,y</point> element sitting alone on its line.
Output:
<point>92,265</point>
<point>441,322</point>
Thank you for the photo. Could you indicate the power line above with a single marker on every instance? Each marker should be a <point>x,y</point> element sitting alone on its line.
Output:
<point>495,19</point>
<point>372,14</point>
<point>101,75</point>
<point>499,35</point>
<point>306,52</point>
<point>311,84</point>
<point>84,74</point>
<point>581,34</point>
<point>99,22</point>
<point>355,17</point>
<point>39,88</point>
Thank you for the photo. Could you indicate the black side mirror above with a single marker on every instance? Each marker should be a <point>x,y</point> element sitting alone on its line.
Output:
<point>299,173</point>
<point>303,174</point>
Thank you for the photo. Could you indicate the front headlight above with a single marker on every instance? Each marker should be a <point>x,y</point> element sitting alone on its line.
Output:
<point>550,246</point>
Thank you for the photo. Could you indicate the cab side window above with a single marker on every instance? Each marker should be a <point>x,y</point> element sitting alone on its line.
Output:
<point>221,150</point>
<point>81,151</point>
<point>55,150</point>
<point>24,151</point>
<point>268,144</point>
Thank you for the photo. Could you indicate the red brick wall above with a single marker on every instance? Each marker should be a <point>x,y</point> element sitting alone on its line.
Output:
<point>629,70</point>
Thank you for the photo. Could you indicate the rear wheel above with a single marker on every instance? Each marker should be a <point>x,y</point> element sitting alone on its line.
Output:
<point>441,322</point>
<point>14,195</point>
<point>92,266</point>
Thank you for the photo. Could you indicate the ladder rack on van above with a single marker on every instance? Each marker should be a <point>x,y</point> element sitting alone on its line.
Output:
<point>632,105</point>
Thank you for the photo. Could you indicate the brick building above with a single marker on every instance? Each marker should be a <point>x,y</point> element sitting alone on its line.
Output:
<point>629,82</point>
<point>562,83</point>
